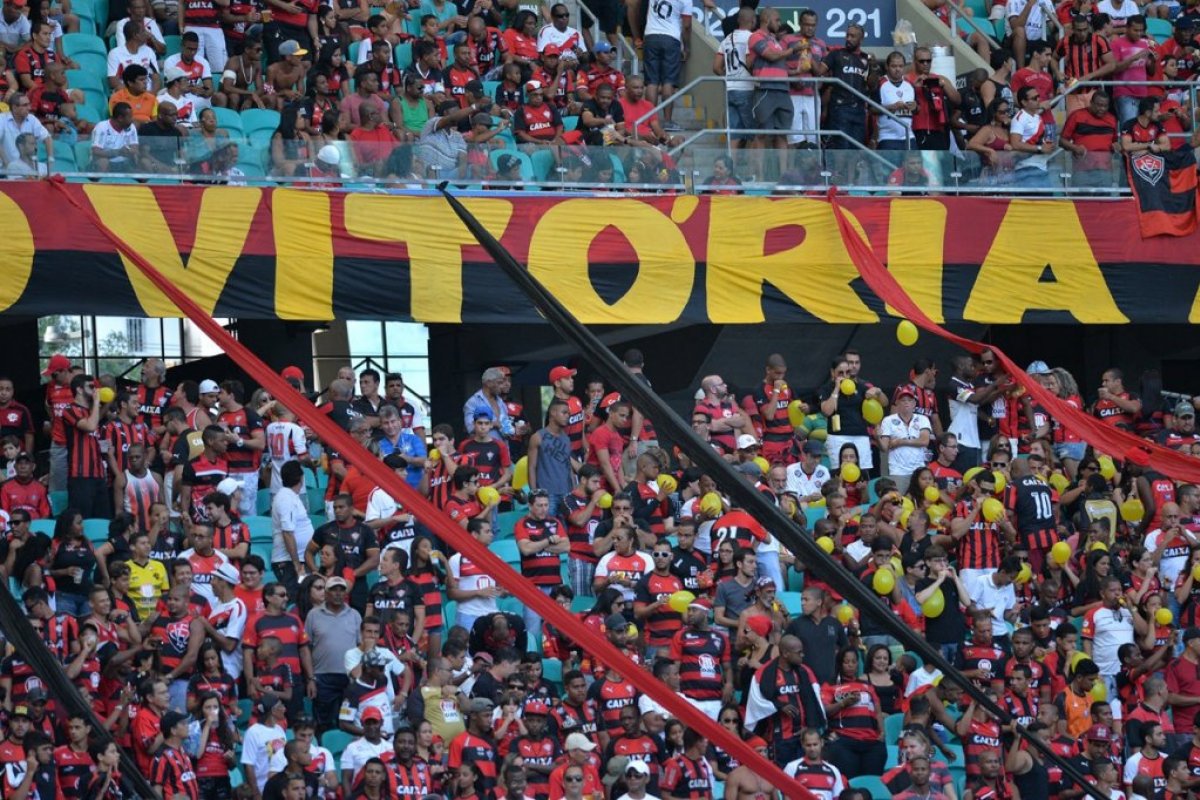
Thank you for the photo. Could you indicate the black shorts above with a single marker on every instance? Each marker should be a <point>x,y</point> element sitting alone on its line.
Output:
<point>772,110</point>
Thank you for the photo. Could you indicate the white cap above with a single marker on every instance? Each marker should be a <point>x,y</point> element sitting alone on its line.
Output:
<point>330,155</point>
<point>228,486</point>
<point>746,441</point>
<point>228,573</point>
<point>637,765</point>
<point>209,386</point>
<point>174,74</point>
<point>577,741</point>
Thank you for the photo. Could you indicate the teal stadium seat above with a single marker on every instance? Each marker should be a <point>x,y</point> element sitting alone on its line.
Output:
<point>872,784</point>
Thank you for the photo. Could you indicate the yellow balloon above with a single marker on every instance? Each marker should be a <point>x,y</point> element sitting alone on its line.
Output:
<point>679,601</point>
<point>605,500</point>
<point>763,464</point>
<point>883,582</point>
<point>1196,572</point>
<point>435,455</point>
<point>937,512</point>
<point>844,613</point>
<point>1000,482</point>
<point>1060,552</point>
<point>935,605</point>
<point>971,473</point>
<point>897,565</point>
<point>906,503</point>
<point>904,515</point>
<point>711,504</point>
<point>847,386</point>
<point>825,543</point>
<point>932,494</point>
<point>1024,575</point>
<point>1099,546</point>
<point>796,414</point>
<point>1099,692</point>
<point>667,483</point>
<point>906,333</point>
<point>1077,657</point>
<point>1164,616</point>
<point>820,503</point>
<point>520,477</point>
<point>1107,467</point>
<point>993,509</point>
<point>818,434</point>
<point>850,472</point>
<point>872,411</point>
<point>1060,482</point>
<point>487,495</point>
<point>631,631</point>
<point>1132,510</point>
<point>106,394</point>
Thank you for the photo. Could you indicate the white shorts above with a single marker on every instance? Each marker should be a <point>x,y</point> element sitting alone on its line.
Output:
<point>710,708</point>
<point>212,47</point>
<point>806,116</point>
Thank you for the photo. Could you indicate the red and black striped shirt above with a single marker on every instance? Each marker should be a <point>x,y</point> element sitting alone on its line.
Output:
<point>861,720</point>
<point>980,548</point>
<point>982,737</point>
<point>610,696</point>
<point>543,568</point>
<point>172,771</point>
<point>467,748</point>
<point>285,627</point>
<point>227,537</point>
<point>581,536</point>
<point>541,752</point>
<point>152,403</point>
<point>662,625</point>
<point>244,422</point>
<point>576,417</point>
<point>702,656</point>
<point>83,447</point>
<point>121,435</point>
<point>1082,58</point>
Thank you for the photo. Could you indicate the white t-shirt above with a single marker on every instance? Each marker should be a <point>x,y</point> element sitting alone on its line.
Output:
<point>119,58</point>
<point>986,594</point>
<point>261,744</point>
<point>285,442</point>
<point>230,621</point>
<point>665,17</point>
<point>360,751</point>
<point>381,505</point>
<point>322,758</point>
<point>10,130</point>
<point>289,513</point>
<point>1173,560</point>
<point>964,415</point>
<point>1032,130</point>
<point>1118,9</point>
<point>569,41</point>
<point>394,666</point>
<point>891,130</point>
<point>1035,23</point>
<point>471,578</point>
<point>602,570</point>
<point>16,33</point>
<point>106,137</point>
<point>801,483</point>
<point>907,459</point>
<point>187,104</point>
<point>838,785</point>
<point>733,49</point>
<point>151,27</point>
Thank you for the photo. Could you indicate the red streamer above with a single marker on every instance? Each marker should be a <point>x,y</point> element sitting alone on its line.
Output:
<point>1104,438</point>
<point>449,531</point>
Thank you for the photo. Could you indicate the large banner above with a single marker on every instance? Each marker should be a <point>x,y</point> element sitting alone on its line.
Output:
<point>312,255</point>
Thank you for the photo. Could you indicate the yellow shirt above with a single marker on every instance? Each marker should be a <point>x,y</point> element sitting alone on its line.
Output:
<point>146,585</point>
<point>442,713</point>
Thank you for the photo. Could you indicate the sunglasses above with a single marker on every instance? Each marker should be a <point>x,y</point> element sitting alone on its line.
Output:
<point>924,60</point>
<point>573,778</point>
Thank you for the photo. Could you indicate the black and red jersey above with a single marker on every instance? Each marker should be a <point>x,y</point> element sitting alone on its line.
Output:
<point>83,447</point>
<point>60,634</point>
<point>581,536</point>
<point>982,737</point>
<point>611,696</point>
<point>175,634</point>
<point>172,770</point>
<point>203,475</point>
<point>1023,709</point>
<point>227,537</point>
<point>441,483</point>
<point>859,721</point>
<point>541,122</point>
<point>491,458</point>
<point>687,779</point>
<point>467,748</point>
<point>662,625</point>
<point>777,427</point>
<point>980,548</point>
<point>285,627</point>
<point>648,508</point>
<point>1107,410</point>
<point>583,718</point>
<point>200,13</point>
<point>121,435</point>
<point>243,422</point>
<point>412,781</point>
<point>15,419</point>
<point>543,568</point>
<point>30,62</point>
<point>702,656</point>
<point>152,402</point>
<point>777,682</point>
<point>74,771</point>
<point>457,79</point>
<point>485,52</point>
<point>541,752</point>
<point>576,419</point>
<point>820,777</point>
<point>987,659</point>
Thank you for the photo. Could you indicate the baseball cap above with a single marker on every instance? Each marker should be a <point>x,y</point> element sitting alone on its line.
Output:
<point>764,582</point>
<point>482,414</point>
<point>20,711</point>
<point>171,74</point>
<point>616,622</point>
<point>329,154</point>
<point>702,603</point>
<point>552,50</point>
<point>267,703</point>
<point>209,386</point>
<point>610,399</point>
<point>336,580</point>
<point>755,742</point>
<point>638,766</point>
<point>170,719</point>
<point>749,468</point>
<point>292,48</point>
<point>746,441</point>
<point>602,47</point>
<point>1038,368</point>
<point>23,456</point>
<point>228,573</point>
<point>814,448</point>
<point>480,705</point>
<point>536,707</point>
<point>558,373</point>
<point>292,373</point>
<point>228,486</point>
<point>1191,633</point>
<point>533,86</point>
<point>506,161</point>
<point>1098,733</point>
<point>19,3</point>
<point>57,364</point>
<point>1185,409</point>
<point>36,695</point>
<point>904,391</point>
<point>577,741</point>
<point>375,658</point>
<point>369,713</point>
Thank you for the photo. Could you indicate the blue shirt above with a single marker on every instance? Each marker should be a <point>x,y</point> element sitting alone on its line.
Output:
<point>477,404</point>
<point>408,444</point>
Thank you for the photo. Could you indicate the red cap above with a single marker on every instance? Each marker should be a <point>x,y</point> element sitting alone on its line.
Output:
<point>1098,733</point>
<point>292,374</point>
<point>552,50</point>
<point>19,3</point>
<point>371,712</point>
<point>755,742</point>
<point>904,390</point>
<point>701,602</point>
<point>558,373</point>
<point>536,707</point>
<point>610,399</point>
<point>759,624</point>
<point>58,362</point>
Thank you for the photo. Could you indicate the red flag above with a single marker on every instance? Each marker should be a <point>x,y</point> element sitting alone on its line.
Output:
<point>1164,186</point>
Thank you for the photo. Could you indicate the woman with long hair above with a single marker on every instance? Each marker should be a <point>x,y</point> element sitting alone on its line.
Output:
<point>427,570</point>
<point>856,491</point>
<point>1087,593</point>
<point>117,547</point>
<point>311,593</point>
<point>105,780</point>
<point>855,714</point>
<point>212,744</point>
<point>72,561</point>
<point>885,678</point>
<point>290,147</point>
<point>920,480</point>
<point>729,718</point>
<point>211,678</point>
<point>991,142</point>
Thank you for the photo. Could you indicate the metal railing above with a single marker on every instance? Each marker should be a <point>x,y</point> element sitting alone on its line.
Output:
<point>625,48</point>
<point>959,11</point>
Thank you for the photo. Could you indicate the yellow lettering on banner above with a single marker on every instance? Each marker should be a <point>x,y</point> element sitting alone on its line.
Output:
<point>916,234</point>
<point>1009,282</point>
<point>18,252</point>
<point>558,257</point>
<point>435,237</point>
<point>303,254</point>
<point>222,225</point>
<point>815,274</point>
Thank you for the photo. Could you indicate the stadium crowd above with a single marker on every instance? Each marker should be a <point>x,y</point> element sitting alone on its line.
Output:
<point>500,91</point>
<point>249,616</point>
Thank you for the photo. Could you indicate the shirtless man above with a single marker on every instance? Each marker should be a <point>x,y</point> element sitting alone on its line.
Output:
<point>286,77</point>
<point>242,80</point>
<point>744,784</point>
